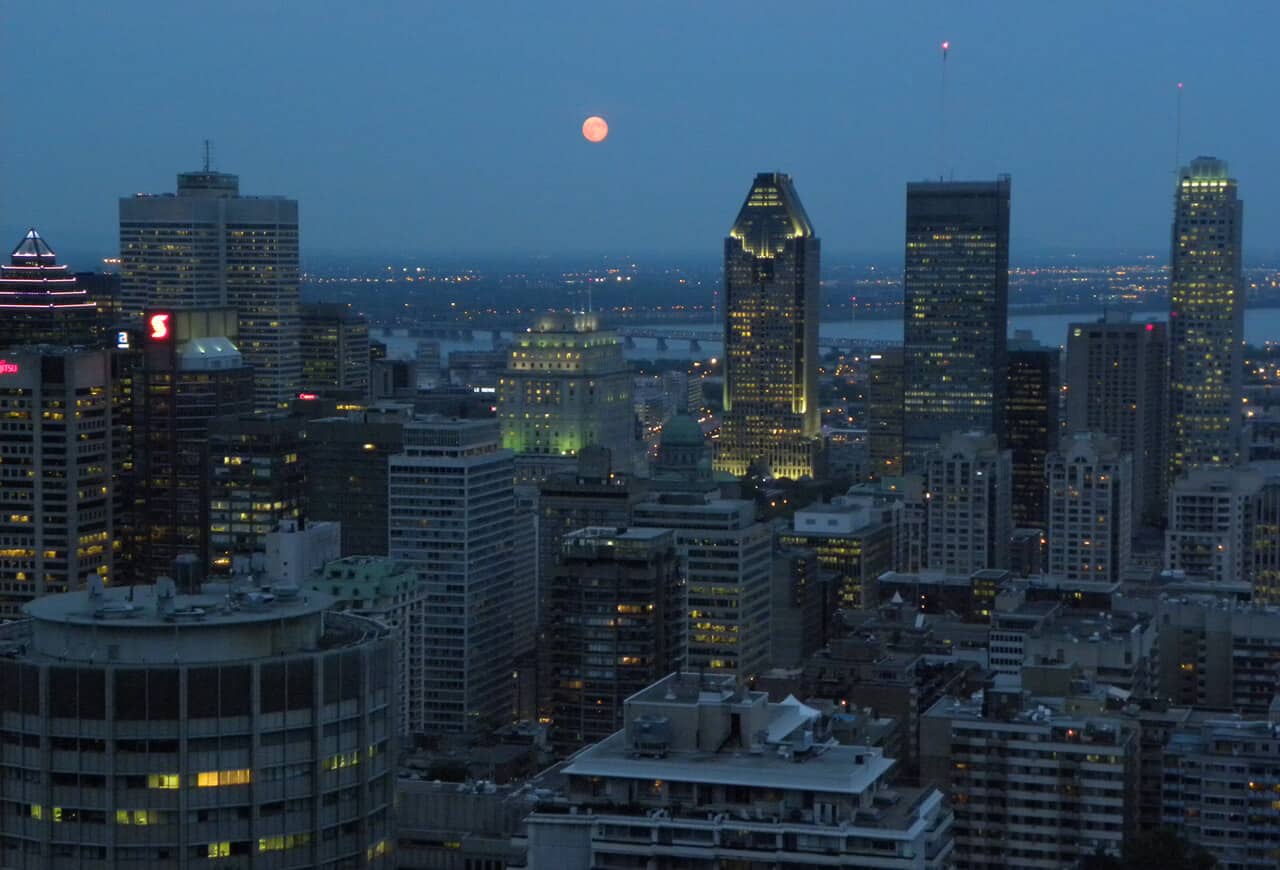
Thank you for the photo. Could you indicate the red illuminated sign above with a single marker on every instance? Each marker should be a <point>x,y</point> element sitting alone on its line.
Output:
<point>159,324</point>
<point>308,397</point>
<point>8,368</point>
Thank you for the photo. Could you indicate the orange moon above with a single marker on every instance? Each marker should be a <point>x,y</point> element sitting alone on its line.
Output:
<point>594,129</point>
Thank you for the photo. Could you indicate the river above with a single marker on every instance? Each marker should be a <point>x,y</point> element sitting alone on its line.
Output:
<point>1260,325</point>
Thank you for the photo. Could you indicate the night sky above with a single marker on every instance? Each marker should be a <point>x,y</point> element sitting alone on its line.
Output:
<point>434,129</point>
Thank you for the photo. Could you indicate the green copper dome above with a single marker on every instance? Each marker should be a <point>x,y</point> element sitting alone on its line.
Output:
<point>682,430</point>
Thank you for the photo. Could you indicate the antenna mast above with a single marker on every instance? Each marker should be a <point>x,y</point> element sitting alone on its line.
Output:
<point>1177,135</point>
<point>942,114</point>
<point>208,155</point>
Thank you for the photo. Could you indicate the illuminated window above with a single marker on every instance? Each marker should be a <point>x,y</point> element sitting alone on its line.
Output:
<point>162,780</point>
<point>382,847</point>
<point>341,760</point>
<point>214,778</point>
<point>136,817</point>
<point>283,841</point>
<point>220,850</point>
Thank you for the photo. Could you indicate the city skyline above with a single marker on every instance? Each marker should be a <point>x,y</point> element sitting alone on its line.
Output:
<point>447,167</point>
<point>618,560</point>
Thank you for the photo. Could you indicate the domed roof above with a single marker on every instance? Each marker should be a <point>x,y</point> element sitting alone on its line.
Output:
<point>682,430</point>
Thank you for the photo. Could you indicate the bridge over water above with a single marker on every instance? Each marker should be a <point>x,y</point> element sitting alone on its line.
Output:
<point>696,335</point>
<point>693,335</point>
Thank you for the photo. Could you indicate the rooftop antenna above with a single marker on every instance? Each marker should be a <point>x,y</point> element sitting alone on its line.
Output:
<point>942,113</point>
<point>1177,135</point>
<point>208,154</point>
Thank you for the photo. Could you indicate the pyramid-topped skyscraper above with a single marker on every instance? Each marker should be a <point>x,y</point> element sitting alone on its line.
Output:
<point>771,417</point>
<point>41,301</point>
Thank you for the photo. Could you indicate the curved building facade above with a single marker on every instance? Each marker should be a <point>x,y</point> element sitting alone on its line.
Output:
<point>141,728</point>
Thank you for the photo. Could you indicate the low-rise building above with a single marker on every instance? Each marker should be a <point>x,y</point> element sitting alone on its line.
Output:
<point>1222,789</point>
<point>706,774</point>
<point>1031,786</point>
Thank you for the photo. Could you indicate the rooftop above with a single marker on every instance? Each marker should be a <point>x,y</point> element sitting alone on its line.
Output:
<point>843,769</point>
<point>159,606</point>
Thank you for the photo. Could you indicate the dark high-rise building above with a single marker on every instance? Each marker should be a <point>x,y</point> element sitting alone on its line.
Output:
<point>335,349</point>
<point>41,302</point>
<point>591,496</point>
<point>1206,319</point>
<point>771,414</point>
<point>616,625</point>
<point>1117,379</point>
<point>209,247</point>
<point>348,459</point>
<point>957,294</point>
<point>1031,423</point>
<point>884,413</point>
<point>57,523</point>
<point>192,374</point>
<point>256,479</point>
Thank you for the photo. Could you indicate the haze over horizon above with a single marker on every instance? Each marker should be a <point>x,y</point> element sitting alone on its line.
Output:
<point>443,131</point>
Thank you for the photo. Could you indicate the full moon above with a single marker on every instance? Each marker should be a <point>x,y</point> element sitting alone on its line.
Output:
<point>594,129</point>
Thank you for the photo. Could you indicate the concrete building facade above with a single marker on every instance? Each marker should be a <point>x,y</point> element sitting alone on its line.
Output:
<point>58,470</point>
<point>705,773</point>
<point>237,725</point>
<point>968,479</point>
<point>453,516</point>
<point>1090,506</point>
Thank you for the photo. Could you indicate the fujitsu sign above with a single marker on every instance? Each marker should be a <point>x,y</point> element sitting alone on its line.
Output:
<point>8,368</point>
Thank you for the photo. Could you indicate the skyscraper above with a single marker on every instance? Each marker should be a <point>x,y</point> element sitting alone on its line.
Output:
<point>727,560</point>
<point>57,522</point>
<point>209,247</point>
<point>192,374</point>
<point>1206,319</point>
<point>1090,509</point>
<point>957,294</point>
<point>256,479</point>
<point>335,349</point>
<point>968,504</point>
<point>348,459</point>
<point>1031,421</point>
<point>771,413</point>
<point>616,625</point>
<point>884,413</point>
<point>1117,375</point>
<point>566,386</point>
<point>453,516</point>
<point>41,301</point>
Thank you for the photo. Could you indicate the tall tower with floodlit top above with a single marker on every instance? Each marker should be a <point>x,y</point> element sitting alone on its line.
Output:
<point>771,415</point>
<point>1206,319</point>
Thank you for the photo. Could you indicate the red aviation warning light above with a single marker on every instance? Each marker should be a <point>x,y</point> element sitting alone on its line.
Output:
<point>159,324</point>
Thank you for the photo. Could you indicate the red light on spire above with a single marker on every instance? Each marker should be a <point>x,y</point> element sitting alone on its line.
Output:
<point>946,46</point>
<point>1151,327</point>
